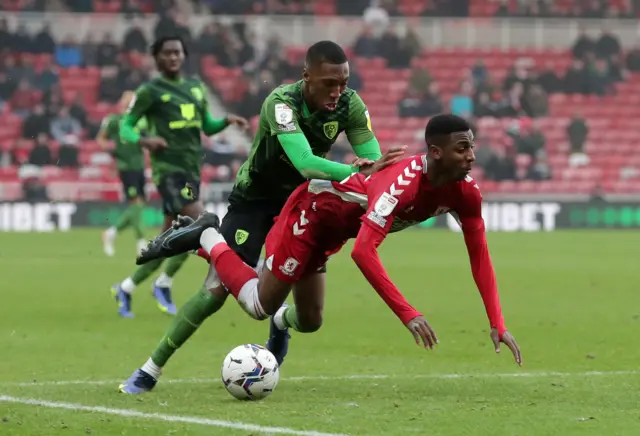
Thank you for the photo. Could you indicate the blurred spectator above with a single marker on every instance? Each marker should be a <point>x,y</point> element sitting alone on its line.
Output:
<point>608,45</point>
<point>77,110</point>
<point>376,17</point>
<point>43,41</point>
<point>502,166</point>
<point>40,154</point>
<point>7,88</point>
<point>109,90</point>
<point>366,45</point>
<point>389,44</point>
<point>462,102</point>
<point>36,123</point>
<point>107,51</point>
<point>68,53</point>
<point>419,104</point>
<point>402,56</point>
<point>20,151</point>
<point>575,80</point>
<point>577,133</point>
<point>89,51</point>
<point>583,45</point>
<point>5,33</point>
<point>485,106</point>
<point>633,59</point>
<point>64,128</point>
<point>479,72</point>
<point>355,80</point>
<point>47,78</point>
<point>166,25</point>
<point>134,39</point>
<point>539,168</point>
<point>549,80</point>
<point>528,138</point>
<point>599,79</point>
<point>420,79</point>
<point>21,41</point>
<point>24,98</point>
<point>536,102</point>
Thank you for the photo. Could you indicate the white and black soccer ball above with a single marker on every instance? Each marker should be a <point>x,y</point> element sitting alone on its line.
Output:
<point>250,372</point>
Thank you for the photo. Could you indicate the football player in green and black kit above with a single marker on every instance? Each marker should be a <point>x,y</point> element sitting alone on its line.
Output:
<point>298,125</point>
<point>176,111</point>
<point>130,161</point>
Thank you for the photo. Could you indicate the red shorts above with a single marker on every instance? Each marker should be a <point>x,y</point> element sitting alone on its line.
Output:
<point>300,242</point>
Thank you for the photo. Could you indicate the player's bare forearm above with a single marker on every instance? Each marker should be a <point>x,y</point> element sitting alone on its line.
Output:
<point>484,276</point>
<point>365,255</point>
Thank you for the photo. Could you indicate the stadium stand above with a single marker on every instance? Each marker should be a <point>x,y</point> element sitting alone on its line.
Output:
<point>548,120</point>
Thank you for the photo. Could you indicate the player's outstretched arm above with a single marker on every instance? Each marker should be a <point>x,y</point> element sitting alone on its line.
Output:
<point>211,125</point>
<point>482,270</point>
<point>365,255</point>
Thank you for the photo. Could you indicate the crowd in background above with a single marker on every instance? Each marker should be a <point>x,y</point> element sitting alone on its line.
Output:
<point>34,92</point>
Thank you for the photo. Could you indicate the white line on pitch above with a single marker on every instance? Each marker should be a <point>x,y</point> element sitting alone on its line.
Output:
<point>348,377</point>
<point>129,413</point>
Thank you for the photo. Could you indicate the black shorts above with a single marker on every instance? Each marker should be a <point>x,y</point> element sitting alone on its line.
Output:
<point>246,225</point>
<point>178,190</point>
<point>133,184</point>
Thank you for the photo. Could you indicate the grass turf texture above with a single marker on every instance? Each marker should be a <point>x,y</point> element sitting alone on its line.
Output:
<point>570,298</point>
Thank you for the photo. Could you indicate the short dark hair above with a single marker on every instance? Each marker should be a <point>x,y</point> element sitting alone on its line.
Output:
<point>444,124</point>
<point>325,51</point>
<point>157,45</point>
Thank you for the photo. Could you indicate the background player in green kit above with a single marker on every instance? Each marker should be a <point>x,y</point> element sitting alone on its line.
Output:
<point>298,125</point>
<point>176,111</point>
<point>130,162</point>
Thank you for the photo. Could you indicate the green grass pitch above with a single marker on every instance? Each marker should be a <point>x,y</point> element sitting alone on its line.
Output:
<point>570,298</point>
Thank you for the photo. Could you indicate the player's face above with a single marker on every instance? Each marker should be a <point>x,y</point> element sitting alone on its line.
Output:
<point>171,57</point>
<point>326,83</point>
<point>457,156</point>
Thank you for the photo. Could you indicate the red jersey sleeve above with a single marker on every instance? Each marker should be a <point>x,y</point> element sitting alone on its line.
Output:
<point>472,224</point>
<point>391,191</point>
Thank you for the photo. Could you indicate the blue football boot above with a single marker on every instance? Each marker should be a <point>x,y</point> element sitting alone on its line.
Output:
<point>124,301</point>
<point>139,383</point>
<point>164,301</point>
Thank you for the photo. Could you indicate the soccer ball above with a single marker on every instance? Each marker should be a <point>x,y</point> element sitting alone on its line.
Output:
<point>250,372</point>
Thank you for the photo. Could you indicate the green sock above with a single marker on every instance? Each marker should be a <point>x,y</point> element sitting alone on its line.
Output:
<point>290,319</point>
<point>175,263</point>
<point>124,220</point>
<point>136,220</point>
<point>144,271</point>
<point>199,307</point>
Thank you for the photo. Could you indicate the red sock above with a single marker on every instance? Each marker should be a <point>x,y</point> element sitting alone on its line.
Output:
<point>203,254</point>
<point>233,272</point>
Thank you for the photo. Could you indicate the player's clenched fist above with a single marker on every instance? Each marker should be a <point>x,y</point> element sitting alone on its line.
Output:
<point>507,339</point>
<point>421,330</point>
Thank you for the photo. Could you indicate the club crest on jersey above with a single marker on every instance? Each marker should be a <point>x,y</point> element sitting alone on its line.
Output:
<point>283,113</point>
<point>241,236</point>
<point>385,204</point>
<point>188,111</point>
<point>197,94</point>
<point>289,266</point>
<point>330,129</point>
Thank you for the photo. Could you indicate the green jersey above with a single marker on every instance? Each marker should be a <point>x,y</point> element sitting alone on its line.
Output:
<point>175,111</point>
<point>129,157</point>
<point>269,173</point>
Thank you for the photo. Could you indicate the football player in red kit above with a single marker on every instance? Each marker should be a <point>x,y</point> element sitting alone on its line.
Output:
<point>320,216</point>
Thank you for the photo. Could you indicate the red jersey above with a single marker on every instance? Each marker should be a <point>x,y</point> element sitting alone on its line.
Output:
<point>321,215</point>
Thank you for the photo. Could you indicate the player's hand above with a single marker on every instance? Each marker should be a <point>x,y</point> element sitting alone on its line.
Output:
<point>360,162</point>
<point>507,339</point>
<point>392,156</point>
<point>154,144</point>
<point>421,330</point>
<point>241,122</point>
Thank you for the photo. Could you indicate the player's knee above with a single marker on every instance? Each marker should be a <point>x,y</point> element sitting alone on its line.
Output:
<point>311,321</point>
